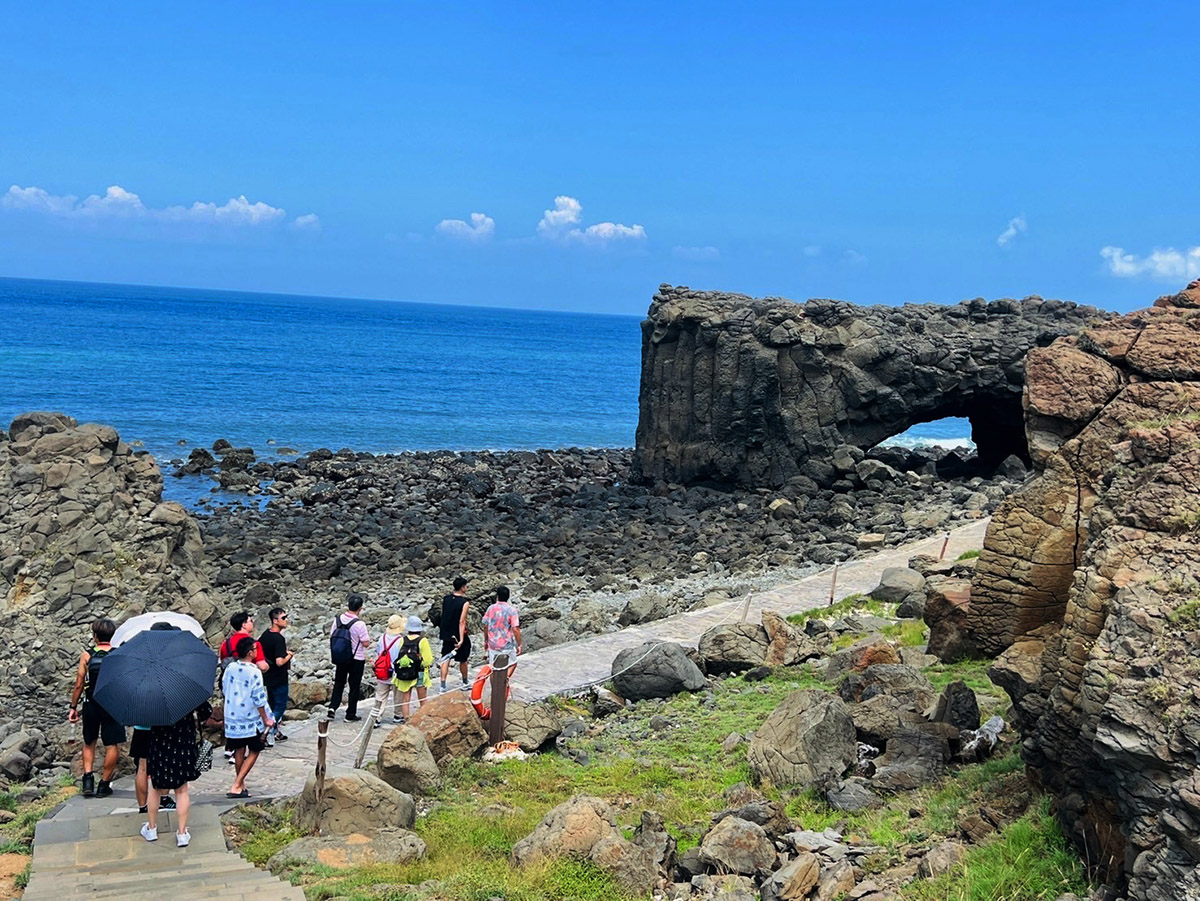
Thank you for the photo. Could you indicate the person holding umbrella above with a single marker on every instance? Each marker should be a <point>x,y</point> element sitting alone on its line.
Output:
<point>245,708</point>
<point>162,678</point>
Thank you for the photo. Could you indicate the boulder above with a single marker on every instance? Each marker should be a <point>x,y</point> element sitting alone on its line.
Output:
<point>341,852</point>
<point>632,866</point>
<point>941,858</point>
<point>572,829</point>
<point>786,645</point>
<point>836,880</point>
<point>735,845</point>
<point>896,583</point>
<point>657,669</point>
<point>733,647</point>
<point>451,727</point>
<point>770,815</point>
<point>651,833</point>
<point>794,880</point>
<point>913,758</point>
<point>858,656</point>
<point>912,607</point>
<point>947,607</point>
<point>406,763</point>
<point>808,738</point>
<point>531,726</point>
<point>16,764</point>
<point>353,801</point>
<point>905,683</point>
<point>852,796</point>
<point>958,706</point>
<point>642,608</point>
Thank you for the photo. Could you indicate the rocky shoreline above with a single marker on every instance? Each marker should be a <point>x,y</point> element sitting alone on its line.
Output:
<point>584,549</point>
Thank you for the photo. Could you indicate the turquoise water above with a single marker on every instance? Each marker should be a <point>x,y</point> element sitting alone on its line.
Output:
<point>171,365</point>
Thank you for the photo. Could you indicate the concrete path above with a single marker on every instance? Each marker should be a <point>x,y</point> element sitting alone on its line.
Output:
<point>92,848</point>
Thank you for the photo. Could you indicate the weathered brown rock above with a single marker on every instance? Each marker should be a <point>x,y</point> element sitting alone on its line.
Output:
<point>733,647</point>
<point>947,604</point>
<point>353,801</point>
<point>340,852</point>
<point>406,763</point>
<point>786,645</point>
<point>451,727</point>
<point>807,739</point>
<point>1102,552</point>
<point>572,829</point>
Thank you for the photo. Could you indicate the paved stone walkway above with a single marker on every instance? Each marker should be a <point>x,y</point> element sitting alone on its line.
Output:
<point>93,843</point>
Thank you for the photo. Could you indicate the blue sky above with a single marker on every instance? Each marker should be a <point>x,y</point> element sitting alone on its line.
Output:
<point>571,156</point>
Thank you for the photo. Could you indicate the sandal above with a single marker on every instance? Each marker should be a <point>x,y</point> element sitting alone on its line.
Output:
<point>244,793</point>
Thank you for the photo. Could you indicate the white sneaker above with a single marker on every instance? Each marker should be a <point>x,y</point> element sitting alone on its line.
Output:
<point>150,835</point>
<point>270,739</point>
<point>182,839</point>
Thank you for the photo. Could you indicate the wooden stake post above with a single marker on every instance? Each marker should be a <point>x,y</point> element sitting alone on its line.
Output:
<point>499,697</point>
<point>322,740</point>
<point>372,718</point>
<point>833,584</point>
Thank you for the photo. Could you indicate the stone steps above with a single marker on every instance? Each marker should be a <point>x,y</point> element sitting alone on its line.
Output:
<point>104,856</point>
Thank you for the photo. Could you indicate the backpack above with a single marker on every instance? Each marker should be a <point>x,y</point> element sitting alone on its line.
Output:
<point>95,658</point>
<point>435,614</point>
<point>341,647</point>
<point>383,663</point>
<point>226,655</point>
<point>408,661</point>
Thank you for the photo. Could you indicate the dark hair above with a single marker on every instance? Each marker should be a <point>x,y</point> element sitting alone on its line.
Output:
<point>459,583</point>
<point>164,627</point>
<point>275,612</point>
<point>502,593</point>
<point>245,647</point>
<point>238,620</point>
<point>354,602</point>
<point>103,629</point>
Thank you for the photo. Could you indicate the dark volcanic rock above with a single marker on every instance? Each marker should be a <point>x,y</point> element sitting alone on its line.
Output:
<point>655,670</point>
<point>740,390</point>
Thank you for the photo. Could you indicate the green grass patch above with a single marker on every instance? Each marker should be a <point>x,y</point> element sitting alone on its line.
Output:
<point>1029,860</point>
<point>16,836</point>
<point>8,801</point>
<point>909,633</point>
<point>968,555</point>
<point>21,880</point>
<point>268,828</point>
<point>851,603</point>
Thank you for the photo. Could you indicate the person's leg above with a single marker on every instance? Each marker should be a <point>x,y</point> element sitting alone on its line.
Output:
<point>183,804</point>
<point>141,780</point>
<point>383,688</point>
<point>422,691</point>
<point>89,757</point>
<point>404,698</point>
<point>339,683</point>
<point>354,673</point>
<point>279,708</point>
<point>244,768</point>
<point>111,754</point>
<point>152,808</point>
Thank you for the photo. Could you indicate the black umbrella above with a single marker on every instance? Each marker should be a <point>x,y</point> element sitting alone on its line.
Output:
<point>156,678</point>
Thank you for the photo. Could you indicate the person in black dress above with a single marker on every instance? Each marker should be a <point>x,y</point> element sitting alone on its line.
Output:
<point>171,764</point>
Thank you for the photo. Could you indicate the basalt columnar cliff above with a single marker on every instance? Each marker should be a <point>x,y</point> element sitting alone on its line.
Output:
<point>83,533</point>
<point>1089,585</point>
<point>748,391</point>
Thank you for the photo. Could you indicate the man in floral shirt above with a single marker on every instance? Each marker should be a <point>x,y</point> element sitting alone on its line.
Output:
<point>245,712</point>
<point>502,630</point>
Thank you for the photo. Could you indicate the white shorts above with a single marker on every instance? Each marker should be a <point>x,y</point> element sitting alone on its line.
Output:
<point>510,653</point>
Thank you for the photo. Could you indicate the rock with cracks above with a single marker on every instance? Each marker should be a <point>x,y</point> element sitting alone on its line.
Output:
<point>353,801</point>
<point>406,763</point>
<point>808,739</point>
<point>657,669</point>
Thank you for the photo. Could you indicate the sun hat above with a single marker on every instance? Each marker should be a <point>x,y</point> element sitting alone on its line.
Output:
<point>395,624</point>
<point>415,624</point>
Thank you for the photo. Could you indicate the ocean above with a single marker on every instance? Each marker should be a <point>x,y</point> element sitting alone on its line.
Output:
<point>174,368</point>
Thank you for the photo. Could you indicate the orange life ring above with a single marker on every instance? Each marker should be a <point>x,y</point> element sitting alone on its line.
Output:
<point>481,680</point>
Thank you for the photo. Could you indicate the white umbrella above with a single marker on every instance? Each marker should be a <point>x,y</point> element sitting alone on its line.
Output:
<point>144,621</point>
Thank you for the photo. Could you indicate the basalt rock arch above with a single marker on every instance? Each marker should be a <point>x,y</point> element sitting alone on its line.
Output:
<point>750,391</point>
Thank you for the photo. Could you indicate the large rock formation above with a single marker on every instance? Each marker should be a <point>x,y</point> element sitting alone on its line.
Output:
<point>83,533</point>
<point>1089,582</point>
<point>742,390</point>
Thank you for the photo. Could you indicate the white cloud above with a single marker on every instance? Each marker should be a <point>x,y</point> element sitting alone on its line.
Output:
<point>705,254</point>
<point>853,257</point>
<point>567,212</point>
<point>308,222</point>
<point>479,229</point>
<point>812,250</point>
<point>118,203</point>
<point>1016,226</point>
<point>1165,263</point>
<point>562,224</point>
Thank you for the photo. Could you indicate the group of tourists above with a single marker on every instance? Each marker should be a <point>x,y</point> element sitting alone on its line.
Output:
<point>254,685</point>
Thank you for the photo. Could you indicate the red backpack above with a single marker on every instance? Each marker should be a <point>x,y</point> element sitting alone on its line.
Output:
<point>383,663</point>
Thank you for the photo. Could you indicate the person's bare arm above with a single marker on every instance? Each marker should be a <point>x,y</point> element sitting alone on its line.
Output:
<point>462,624</point>
<point>77,691</point>
<point>520,643</point>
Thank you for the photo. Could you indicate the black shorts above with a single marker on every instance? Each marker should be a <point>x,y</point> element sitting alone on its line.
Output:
<point>139,745</point>
<point>254,744</point>
<point>98,724</point>
<point>464,652</point>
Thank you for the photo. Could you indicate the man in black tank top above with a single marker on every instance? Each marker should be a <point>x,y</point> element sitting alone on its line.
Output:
<point>453,629</point>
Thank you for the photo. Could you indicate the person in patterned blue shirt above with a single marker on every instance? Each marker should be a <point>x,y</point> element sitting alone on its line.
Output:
<point>245,710</point>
